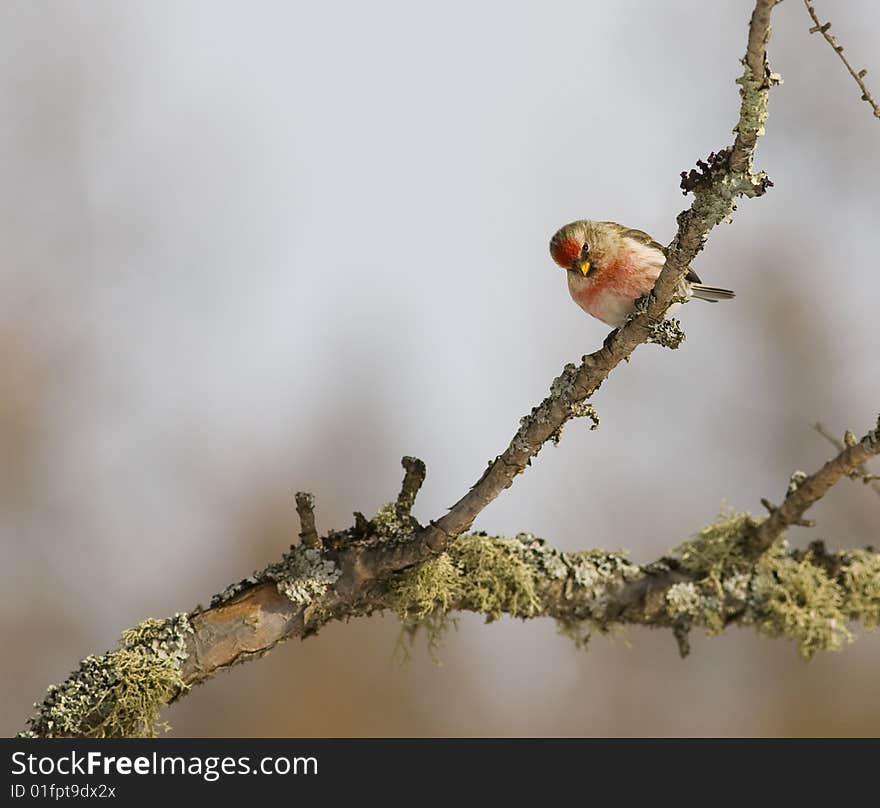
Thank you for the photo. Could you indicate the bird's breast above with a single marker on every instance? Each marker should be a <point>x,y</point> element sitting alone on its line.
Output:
<point>610,290</point>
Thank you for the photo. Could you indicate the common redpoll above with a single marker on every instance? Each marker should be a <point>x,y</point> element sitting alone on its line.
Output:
<point>610,266</point>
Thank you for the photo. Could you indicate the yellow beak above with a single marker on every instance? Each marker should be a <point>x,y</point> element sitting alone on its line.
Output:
<point>585,268</point>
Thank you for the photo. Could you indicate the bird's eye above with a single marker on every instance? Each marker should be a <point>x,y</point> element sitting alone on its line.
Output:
<point>585,250</point>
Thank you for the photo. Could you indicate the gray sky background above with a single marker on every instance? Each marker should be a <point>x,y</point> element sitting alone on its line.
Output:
<point>249,249</point>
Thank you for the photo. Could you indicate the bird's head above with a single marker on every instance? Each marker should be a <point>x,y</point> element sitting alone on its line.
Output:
<point>574,247</point>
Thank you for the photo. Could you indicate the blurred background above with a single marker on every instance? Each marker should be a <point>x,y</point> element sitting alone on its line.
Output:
<point>248,250</point>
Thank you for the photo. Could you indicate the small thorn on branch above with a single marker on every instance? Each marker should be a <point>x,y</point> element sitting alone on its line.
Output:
<point>412,481</point>
<point>305,508</point>
<point>771,508</point>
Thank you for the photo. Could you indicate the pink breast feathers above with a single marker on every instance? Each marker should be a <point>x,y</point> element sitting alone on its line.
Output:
<point>609,292</point>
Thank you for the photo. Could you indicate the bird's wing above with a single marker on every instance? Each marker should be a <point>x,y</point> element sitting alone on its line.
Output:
<point>637,235</point>
<point>643,238</point>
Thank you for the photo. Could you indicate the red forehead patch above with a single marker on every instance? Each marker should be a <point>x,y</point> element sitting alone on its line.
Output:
<point>565,252</point>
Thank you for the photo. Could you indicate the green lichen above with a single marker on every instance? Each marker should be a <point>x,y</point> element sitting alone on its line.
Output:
<point>860,576</point>
<point>578,631</point>
<point>719,549</point>
<point>718,557</point>
<point>797,599</point>
<point>783,594</point>
<point>495,577</point>
<point>421,598</point>
<point>482,573</point>
<point>431,586</point>
<point>120,693</point>
<point>807,597</point>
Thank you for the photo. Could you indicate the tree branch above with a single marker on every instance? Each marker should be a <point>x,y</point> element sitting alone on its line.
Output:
<point>858,76</point>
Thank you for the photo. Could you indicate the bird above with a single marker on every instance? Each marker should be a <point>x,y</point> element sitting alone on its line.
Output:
<point>609,267</point>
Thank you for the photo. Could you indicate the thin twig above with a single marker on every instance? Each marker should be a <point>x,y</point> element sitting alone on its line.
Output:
<point>413,478</point>
<point>858,75</point>
<point>860,473</point>
<point>812,488</point>
<point>305,508</point>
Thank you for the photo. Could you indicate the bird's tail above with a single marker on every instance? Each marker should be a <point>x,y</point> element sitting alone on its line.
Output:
<point>711,293</point>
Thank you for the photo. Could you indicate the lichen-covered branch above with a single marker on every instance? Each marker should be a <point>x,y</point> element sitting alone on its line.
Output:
<point>713,581</point>
<point>723,576</point>
<point>858,75</point>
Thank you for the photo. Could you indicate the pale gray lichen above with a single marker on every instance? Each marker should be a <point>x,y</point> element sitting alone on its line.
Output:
<point>234,589</point>
<point>594,577</point>
<point>684,600</point>
<point>597,569</point>
<point>120,693</point>
<point>794,482</point>
<point>551,562</point>
<point>303,575</point>
<point>564,387</point>
<point>565,384</point>
<point>667,333</point>
<point>736,587</point>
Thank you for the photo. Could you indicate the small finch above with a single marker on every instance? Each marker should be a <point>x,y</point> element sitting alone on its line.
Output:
<point>610,266</point>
